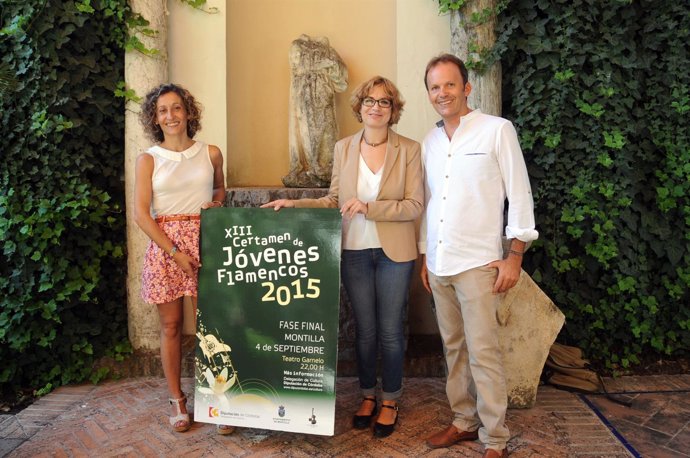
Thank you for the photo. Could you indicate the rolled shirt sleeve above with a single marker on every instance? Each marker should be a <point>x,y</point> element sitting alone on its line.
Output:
<point>520,223</point>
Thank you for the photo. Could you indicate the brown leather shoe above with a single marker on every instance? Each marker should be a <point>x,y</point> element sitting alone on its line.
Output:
<point>493,453</point>
<point>449,436</point>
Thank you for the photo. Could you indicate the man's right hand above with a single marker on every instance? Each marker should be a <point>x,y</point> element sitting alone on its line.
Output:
<point>424,274</point>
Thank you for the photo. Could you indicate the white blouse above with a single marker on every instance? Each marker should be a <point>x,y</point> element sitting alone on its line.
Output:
<point>360,233</point>
<point>181,182</point>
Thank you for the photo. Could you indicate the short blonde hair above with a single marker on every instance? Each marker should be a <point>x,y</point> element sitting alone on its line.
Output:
<point>362,92</point>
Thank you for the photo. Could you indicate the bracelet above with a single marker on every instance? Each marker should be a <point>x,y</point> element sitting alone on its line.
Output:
<point>218,202</point>
<point>516,253</point>
<point>173,250</point>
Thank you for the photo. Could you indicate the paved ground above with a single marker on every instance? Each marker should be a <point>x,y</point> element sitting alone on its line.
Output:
<point>128,418</point>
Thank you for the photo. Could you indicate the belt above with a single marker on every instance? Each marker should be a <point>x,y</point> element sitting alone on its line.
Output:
<point>165,218</point>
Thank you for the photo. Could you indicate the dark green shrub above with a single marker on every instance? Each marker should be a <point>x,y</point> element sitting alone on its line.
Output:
<point>62,224</point>
<point>599,92</point>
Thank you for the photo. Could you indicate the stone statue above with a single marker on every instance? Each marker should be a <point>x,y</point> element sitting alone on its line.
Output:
<point>317,74</point>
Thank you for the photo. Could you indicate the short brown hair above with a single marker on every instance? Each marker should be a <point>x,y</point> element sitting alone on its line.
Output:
<point>446,58</point>
<point>147,117</point>
<point>362,92</point>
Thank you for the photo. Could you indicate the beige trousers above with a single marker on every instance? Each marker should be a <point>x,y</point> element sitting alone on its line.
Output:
<point>476,387</point>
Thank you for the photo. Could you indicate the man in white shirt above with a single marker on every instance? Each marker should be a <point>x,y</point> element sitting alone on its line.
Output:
<point>473,162</point>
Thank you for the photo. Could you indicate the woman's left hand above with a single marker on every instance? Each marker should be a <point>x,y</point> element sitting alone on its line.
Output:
<point>188,264</point>
<point>352,207</point>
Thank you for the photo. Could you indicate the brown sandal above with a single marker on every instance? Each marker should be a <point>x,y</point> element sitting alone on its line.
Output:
<point>224,430</point>
<point>180,422</point>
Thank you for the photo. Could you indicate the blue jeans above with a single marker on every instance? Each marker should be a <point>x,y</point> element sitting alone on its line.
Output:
<point>377,287</point>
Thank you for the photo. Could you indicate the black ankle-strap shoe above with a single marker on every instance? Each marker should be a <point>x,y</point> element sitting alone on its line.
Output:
<point>363,421</point>
<point>381,430</point>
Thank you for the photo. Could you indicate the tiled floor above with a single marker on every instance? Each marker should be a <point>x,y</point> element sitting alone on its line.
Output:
<point>127,418</point>
<point>657,424</point>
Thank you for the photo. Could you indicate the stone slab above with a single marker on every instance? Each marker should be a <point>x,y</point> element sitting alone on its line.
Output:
<point>529,324</point>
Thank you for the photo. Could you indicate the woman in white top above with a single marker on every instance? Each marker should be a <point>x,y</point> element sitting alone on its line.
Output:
<point>174,180</point>
<point>377,184</point>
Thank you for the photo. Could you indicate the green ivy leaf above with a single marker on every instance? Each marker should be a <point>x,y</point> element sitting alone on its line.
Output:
<point>84,6</point>
<point>129,95</point>
<point>594,109</point>
<point>605,160</point>
<point>564,75</point>
<point>614,139</point>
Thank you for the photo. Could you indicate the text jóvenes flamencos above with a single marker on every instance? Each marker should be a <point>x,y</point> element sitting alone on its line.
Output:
<point>247,265</point>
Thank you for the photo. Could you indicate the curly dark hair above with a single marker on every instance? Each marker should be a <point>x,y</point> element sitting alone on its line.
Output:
<point>362,92</point>
<point>147,117</point>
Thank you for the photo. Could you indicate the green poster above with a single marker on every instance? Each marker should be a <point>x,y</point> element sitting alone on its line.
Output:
<point>267,324</point>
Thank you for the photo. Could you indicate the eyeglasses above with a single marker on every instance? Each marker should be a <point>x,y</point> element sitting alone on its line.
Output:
<point>383,103</point>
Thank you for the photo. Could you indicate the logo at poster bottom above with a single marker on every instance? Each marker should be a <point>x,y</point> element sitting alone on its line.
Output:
<point>213,411</point>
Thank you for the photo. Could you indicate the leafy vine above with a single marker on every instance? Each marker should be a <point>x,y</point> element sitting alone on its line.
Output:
<point>600,98</point>
<point>62,225</point>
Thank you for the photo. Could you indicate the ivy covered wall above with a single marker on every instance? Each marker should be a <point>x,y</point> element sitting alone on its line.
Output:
<point>62,279</point>
<point>600,94</point>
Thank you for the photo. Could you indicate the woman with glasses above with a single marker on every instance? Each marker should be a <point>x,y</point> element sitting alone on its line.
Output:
<point>174,180</point>
<point>377,184</point>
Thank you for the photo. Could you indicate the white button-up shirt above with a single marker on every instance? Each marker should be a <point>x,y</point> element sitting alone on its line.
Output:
<point>468,179</point>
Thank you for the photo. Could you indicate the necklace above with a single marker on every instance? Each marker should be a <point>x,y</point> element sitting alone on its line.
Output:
<point>374,145</point>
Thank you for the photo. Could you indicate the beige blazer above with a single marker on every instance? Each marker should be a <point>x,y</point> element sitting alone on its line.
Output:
<point>400,200</point>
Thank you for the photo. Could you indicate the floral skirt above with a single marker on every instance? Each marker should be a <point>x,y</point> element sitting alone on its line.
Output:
<point>162,279</point>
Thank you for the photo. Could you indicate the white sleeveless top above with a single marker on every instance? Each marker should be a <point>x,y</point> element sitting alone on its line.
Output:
<point>360,233</point>
<point>181,181</point>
